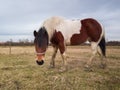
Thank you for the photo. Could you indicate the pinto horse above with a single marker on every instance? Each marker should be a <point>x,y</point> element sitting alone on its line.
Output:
<point>60,31</point>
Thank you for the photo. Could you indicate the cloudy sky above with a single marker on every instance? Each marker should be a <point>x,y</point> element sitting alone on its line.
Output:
<point>23,16</point>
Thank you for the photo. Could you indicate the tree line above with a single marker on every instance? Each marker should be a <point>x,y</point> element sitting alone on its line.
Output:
<point>25,42</point>
<point>31,43</point>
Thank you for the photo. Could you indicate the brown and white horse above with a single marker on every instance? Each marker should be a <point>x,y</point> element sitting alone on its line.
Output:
<point>60,31</point>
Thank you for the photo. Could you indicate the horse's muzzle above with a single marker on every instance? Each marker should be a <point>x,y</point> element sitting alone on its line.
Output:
<point>40,62</point>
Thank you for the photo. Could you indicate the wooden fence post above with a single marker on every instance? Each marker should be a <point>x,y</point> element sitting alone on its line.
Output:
<point>10,44</point>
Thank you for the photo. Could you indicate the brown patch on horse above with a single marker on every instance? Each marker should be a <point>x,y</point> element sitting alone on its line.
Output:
<point>58,40</point>
<point>90,29</point>
<point>77,39</point>
<point>93,28</point>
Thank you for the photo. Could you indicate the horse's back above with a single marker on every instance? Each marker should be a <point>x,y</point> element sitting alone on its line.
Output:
<point>91,28</point>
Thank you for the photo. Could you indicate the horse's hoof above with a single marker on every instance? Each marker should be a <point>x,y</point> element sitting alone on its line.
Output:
<point>88,68</point>
<point>103,66</point>
<point>63,69</point>
<point>51,66</point>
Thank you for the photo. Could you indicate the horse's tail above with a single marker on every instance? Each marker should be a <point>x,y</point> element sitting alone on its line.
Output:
<point>102,43</point>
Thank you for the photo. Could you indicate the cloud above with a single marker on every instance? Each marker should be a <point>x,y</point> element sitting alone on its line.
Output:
<point>24,16</point>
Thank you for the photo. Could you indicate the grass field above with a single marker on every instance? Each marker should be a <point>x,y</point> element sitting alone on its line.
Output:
<point>19,70</point>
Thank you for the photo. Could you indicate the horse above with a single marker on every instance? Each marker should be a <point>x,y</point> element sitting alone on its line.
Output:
<point>60,31</point>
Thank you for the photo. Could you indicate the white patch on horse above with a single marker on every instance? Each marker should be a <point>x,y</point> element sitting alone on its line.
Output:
<point>68,28</point>
<point>102,33</point>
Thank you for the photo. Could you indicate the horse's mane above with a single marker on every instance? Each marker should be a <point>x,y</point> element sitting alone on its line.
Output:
<point>42,34</point>
<point>51,23</point>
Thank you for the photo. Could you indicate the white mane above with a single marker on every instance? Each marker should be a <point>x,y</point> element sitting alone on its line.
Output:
<point>51,23</point>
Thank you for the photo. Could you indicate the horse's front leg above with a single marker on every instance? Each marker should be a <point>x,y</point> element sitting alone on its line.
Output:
<point>62,48</point>
<point>64,58</point>
<point>52,62</point>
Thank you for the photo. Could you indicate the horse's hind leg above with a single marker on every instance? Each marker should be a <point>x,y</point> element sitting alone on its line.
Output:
<point>52,62</point>
<point>94,51</point>
<point>102,57</point>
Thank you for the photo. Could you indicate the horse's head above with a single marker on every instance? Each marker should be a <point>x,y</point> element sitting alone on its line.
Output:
<point>41,43</point>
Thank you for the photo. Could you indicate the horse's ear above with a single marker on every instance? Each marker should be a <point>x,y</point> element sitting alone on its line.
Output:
<point>35,33</point>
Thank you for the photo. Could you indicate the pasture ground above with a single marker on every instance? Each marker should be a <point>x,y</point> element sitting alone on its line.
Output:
<point>19,70</point>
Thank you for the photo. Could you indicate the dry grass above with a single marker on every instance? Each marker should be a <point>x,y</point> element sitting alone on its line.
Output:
<point>19,71</point>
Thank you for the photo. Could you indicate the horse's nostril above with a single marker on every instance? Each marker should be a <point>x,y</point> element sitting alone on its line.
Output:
<point>40,62</point>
